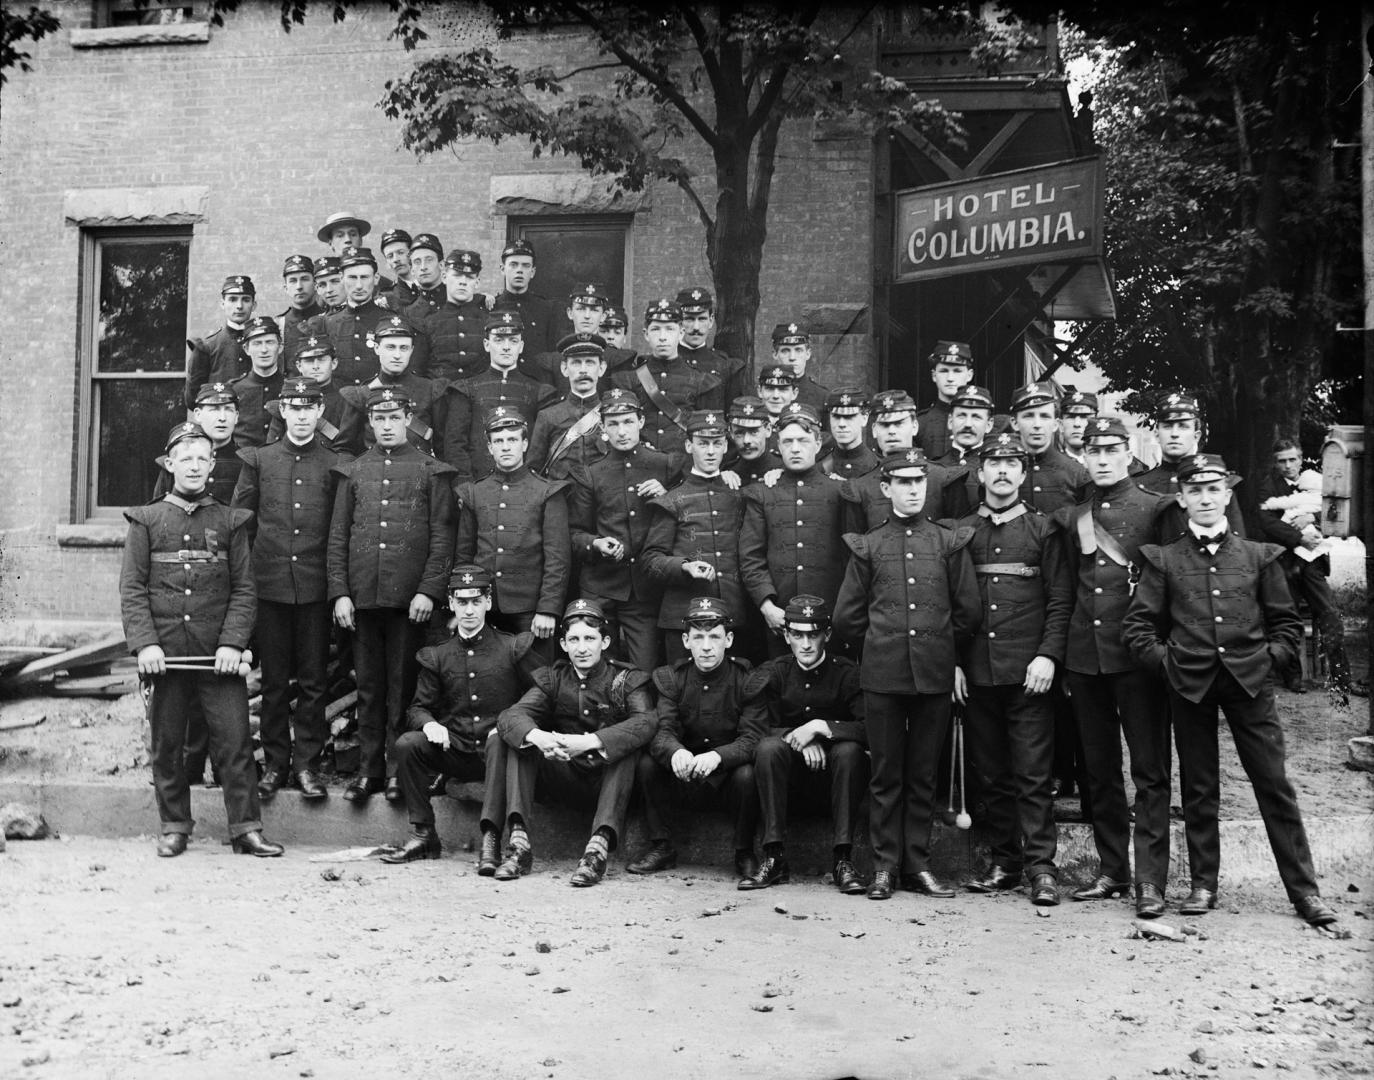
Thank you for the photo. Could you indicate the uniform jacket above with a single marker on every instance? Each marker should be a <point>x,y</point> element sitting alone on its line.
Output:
<point>294,324</point>
<point>682,384</point>
<point>427,399</point>
<point>216,357</point>
<point>699,519</point>
<point>516,526</point>
<point>544,320</point>
<point>1163,480</point>
<point>850,463</point>
<point>421,305</point>
<point>1195,613</point>
<point>224,475</point>
<point>603,502</point>
<point>290,490</point>
<point>732,373</point>
<point>391,534</point>
<point>909,594</point>
<point>464,684</point>
<point>455,333</point>
<point>932,431</point>
<point>549,426</point>
<point>810,392</point>
<point>792,540</point>
<point>1054,480</point>
<point>1103,588</point>
<point>871,506</point>
<point>721,711</point>
<point>350,332</point>
<point>256,392</point>
<point>751,472</point>
<point>1025,614</point>
<point>829,691</point>
<point>340,428</point>
<point>186,583</point>
<point>563,702</point>
<point>513,389</point>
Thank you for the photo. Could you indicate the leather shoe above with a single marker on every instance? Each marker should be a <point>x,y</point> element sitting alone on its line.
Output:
<point>1044,890</point>
<point>1198,902</point>
<point>772,871</point>
<point>660,856</point>
<point>273,780</point>
<point>1312,908</point>
<point>1149,901</point>
<point>927,884</point>
<point>312,787</point>
<point>591,868</point>
<point>1102,888</point>
<point>490,855</point>
<point>361,787</point>
<point>170,845</point>
<point>254,843</point>
<point>746,864</point>
<point>394,794</point>
<point>997,879</point>
<point>516,864</point>
<point>884,885</point>
<point>423,843</point>
<point>847,878</point>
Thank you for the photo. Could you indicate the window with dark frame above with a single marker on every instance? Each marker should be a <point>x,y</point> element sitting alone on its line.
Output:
<point>132,362</point>
<point>572,249</point>
<point>114,13</point>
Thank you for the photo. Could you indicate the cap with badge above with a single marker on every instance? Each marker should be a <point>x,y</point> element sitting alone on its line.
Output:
<point>905,463</point>
<point>517,248</point>
<point>467,576</point>
<point>708,611</point>
<point>799,413</point>
<point>777,375</point>
<point>358,257</point>
<point>892,403</point>
<point>238,283</point>
<point>589,294</point>
<point>1179,405</point>
<point>847,401</point>
<point>394,236</point>
<point>1005,445</point>
<point>342,220</point>
<point>393,327</point>
<point>1106,429</point>
<point>427,242</point>
<point>464,262</point>
<point>386,399</point>
<point>260,325</point>
<point>297,264</point>
<point>505,324</point>
<point>952,353</point>
<point>314,346</point>
<point>973,397</point>
<point>217,393</point>
<point>695,301</point>
<point>1078,402</point>
<point>502,417</point>
<point>615,318</point>
<point>662,310</point>
<point>183,431</point>
<point>1202,469</point>
<point>330,264</point>
<point>706,422</point>
<point>300,392</point>
<point>789,334</point>
<point>585,609</point>
<point>1033,395</point>
<point>806,613</point>
<point>620,401</point>
<point>581,344</point>
<point>747,411</point>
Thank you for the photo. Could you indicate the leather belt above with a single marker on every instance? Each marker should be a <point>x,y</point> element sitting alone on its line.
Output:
<point>188,555</point>
<point>1018,569</point>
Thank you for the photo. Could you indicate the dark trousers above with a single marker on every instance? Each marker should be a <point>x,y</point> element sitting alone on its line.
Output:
<point>1133,703</point>
<point>384,646</point>
<point>293,642</point>
<point>197,743</point>
<point>1009,739</point>
<point>839,787</point>
<point>223,700</point>
<point>519,622</point>
<point>1307,581</point>
<point>734,790</point>
<point>905,733</point>
<point>633,630</point>
<point>1068,748</point>
<point>586,781</point>
<point>418,761</point>
<point>1259,744</point>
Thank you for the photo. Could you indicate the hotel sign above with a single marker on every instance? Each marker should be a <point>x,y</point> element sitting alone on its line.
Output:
<point>1051,213</point>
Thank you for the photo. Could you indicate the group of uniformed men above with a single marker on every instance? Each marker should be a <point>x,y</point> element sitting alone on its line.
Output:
<point>759,597</point>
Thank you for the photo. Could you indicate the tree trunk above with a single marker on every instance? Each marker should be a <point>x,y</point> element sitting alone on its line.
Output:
<point>735,251</point>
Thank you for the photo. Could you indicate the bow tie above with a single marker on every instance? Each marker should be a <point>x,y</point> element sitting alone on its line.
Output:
<point>1211,538</point>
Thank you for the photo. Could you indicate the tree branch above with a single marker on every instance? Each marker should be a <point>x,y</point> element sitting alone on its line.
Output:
<point>586,68</point>
<point>702,38</point>
<point>702,211</point>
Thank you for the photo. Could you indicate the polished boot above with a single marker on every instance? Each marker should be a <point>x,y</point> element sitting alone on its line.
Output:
<point>660,856</point>
<point>1198,902</point>
<point>927,884</point>
<point>312,787</point>
<point>884,885</point>
<point>1149,901</point>
<point>1102,888</point>
<point>394,795</point>
<point>170,845</point>
<point>254,843</point>
<point>490,856</point>
<point>772,871</point>
<point>591,868</point>
<point>273,780</point>
<point>360,788</point>
<point>997,879</point>
<point>423,843</point>
<point>1312,908</point>
<point>746,865</point>
<point>847,878</point>
<point>1044,890</point>
<point>516,864</point>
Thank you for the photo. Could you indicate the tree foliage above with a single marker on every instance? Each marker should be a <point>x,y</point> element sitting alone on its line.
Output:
<point>15,30</point>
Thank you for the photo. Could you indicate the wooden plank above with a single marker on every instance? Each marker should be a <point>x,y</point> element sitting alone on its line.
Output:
<point>95,653</point>
<point>16,656</point>
<point>104,686</point>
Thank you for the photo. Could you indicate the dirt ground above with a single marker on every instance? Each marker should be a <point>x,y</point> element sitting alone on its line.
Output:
<point>115,963</point>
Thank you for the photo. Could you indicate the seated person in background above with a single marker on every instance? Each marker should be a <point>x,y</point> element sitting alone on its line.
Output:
<point>710,718</point>
<point>577,734</point>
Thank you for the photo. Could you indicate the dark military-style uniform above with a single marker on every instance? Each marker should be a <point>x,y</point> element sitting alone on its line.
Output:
<point>422,303</point>
<point>1163,480</point>
<point>754,470</point>
<point>1215,620</point>
<point>216,357</point>
<point>932,432</point>
<point>488,391</point>
<point>255,393</point>
<point>427,399</point>
<point>340,428</point>
<point>681,384</point>
<point>390,538</point>
<point>186,585</point>
<point>295,329</point>
<point>732,374</point>
<point>550,425</point>
<point>1054,480</point>
<point>944,497</point>
<point>290,488</point>
<point>543,319</point>
<point>350,331</point>
<point>224,475</point>
<point>850,463</point>
<point>720,711</point>
<point>810,392</point>
<point>614,701</point>
<point>455,338</point>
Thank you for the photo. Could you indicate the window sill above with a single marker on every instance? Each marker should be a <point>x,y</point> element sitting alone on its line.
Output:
<point>93,534</point>
<point>112,37</point>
